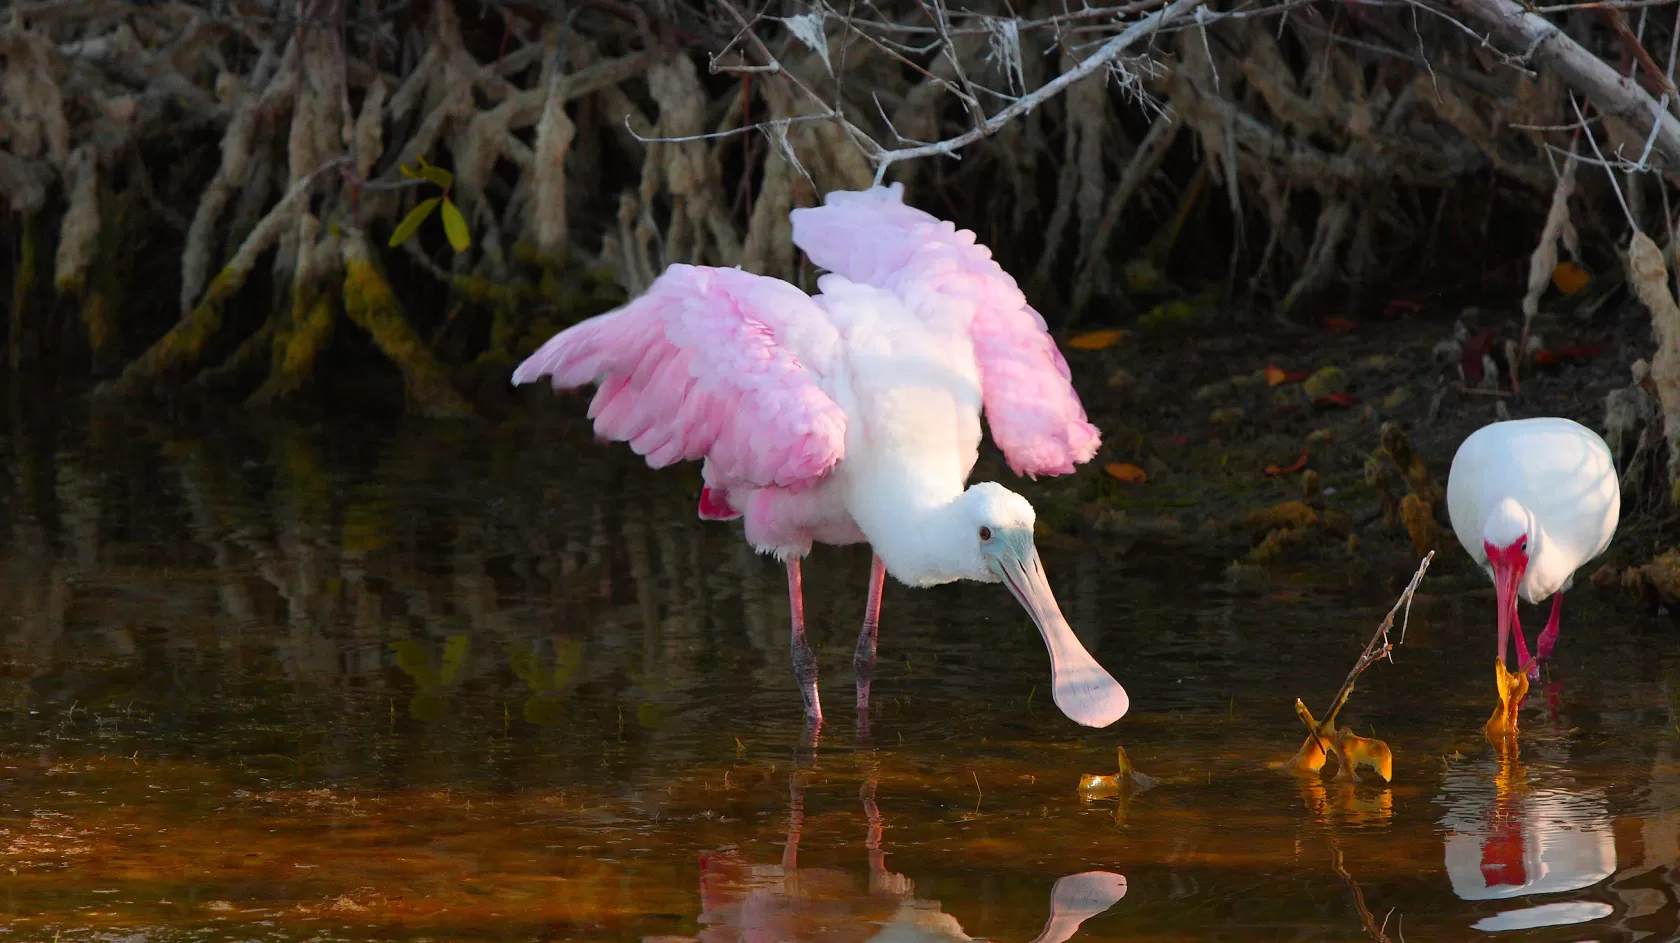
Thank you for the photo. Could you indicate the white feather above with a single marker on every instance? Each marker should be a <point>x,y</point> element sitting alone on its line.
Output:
<point>1559,475</point>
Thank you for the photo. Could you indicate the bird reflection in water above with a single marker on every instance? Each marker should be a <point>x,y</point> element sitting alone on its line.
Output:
<point>742,902</point>
<point>1509,836</point>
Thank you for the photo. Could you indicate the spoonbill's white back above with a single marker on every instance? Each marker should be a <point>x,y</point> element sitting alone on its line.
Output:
<point>1532,501</point>
<point>854,416</point>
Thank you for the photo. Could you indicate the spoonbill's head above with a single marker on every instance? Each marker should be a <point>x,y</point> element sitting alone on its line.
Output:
<point>1505,536</point>
<point>1001,525</point>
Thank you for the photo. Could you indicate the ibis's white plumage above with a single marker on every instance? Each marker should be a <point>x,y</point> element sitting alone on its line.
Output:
<point>1552,479</point>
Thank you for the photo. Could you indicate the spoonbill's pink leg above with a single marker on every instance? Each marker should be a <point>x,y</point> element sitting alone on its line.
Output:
<point>804,660</point>
<point>1548,636</point>
<point>863,660</point>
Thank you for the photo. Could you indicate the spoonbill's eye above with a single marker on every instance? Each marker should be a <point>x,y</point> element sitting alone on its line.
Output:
<point>1524,545</point>
<point>985,533</point>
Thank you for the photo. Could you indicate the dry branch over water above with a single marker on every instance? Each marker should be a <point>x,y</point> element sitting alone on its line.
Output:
<point>252,162</point>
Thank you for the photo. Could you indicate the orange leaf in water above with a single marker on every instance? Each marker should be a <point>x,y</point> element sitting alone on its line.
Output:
<point>1127,473</point>
<point>1277,376</point>
<point>1570,278</point>
<point>1095,340</point>
<point>1178,440</point>
<point>1545,358</point>
<point>1272,471</point>
<point>1338,325</point>
<point>1335,399</point>
<point>1354,752</point>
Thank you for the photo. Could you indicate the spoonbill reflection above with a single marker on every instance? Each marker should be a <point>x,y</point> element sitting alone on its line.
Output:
<point>753,903</point>
<point>854,416</point>
<point>1532,501</point>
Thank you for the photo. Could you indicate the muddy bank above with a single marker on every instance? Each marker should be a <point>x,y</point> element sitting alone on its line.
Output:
<point>1277,452</point>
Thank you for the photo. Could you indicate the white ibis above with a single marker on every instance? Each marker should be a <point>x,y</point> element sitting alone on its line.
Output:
<point>1532,501</point>
<point>854,416</point>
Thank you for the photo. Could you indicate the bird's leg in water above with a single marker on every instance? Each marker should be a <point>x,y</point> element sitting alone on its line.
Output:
<point>863,660</point>
<point>1517,632</point>
<point>1548,636</point>
<point>804,660</point>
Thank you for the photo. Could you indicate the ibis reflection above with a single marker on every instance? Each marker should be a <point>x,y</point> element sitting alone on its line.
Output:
<point>744,902</point>
<point>1514,832</point>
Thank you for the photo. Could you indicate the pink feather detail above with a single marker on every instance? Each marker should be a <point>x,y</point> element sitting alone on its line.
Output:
<point>714,505</point>
<point>1033,411</point>
<point>693,369</point>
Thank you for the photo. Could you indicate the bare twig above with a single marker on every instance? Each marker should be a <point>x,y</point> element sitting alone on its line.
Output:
<point>1109,51</point>
<point>1379,647</point>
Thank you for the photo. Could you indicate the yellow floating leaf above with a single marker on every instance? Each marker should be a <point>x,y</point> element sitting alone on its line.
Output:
<point>1512,689</point>
<point>1571,279</point>
<point>1092,786</point>
<point>1095,340</point>
<point>1355,751</point>
<point>1127,473</point>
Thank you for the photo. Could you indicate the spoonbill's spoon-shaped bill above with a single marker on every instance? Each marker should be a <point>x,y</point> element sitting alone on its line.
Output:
<point>854,416</point>
<point>1532,501</point>
<point>1083,689</point>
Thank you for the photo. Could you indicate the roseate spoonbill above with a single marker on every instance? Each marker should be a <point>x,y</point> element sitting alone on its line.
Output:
<point>1532,501</point>
<point>854,416</point>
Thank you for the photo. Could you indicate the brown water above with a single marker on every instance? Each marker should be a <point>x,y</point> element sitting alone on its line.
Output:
<point>278,683</point>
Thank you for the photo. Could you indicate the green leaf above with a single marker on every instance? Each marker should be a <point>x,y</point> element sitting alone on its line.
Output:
<point>412,658</point>
<point>455,649</point>
<point>437,175</point>
<point>411,223</point>
<point>409,173</point>
<point>455,227</point>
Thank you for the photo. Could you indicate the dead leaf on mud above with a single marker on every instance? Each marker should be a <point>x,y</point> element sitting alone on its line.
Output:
<point>1277,376</point>
<point>1570,278</point>
<point>1343,400</point>
<point>1120,471</point>
<point>1339,325</point>
<point>1566,354</point>
<point>1095,340</point>
<point>1419,517</point>
<point>1325,382</point>
<point>1273,471</point>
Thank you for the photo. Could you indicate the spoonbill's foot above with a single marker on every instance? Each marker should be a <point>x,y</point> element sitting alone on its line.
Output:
<point>863,660</point>
<point>804,660</point>
<point>1548,637</point>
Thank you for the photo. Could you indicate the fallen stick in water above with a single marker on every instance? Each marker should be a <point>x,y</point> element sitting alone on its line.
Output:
<point>1323,737</point>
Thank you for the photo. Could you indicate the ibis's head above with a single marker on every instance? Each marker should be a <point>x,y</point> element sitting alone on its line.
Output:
<point>1505,537</point>
<point>1001,525</point>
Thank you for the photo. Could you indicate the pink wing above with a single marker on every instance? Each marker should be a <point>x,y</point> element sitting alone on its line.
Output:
<point>698,368</point>
<point>872,237</point>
